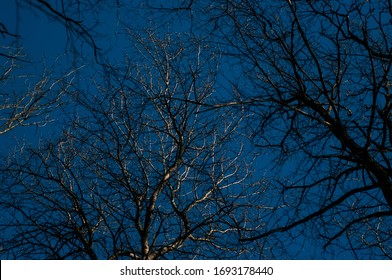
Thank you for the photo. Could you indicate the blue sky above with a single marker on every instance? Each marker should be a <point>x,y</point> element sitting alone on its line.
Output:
<point>44,40</point>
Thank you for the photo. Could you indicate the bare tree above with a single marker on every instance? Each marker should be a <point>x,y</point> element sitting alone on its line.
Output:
<point>147,170</point>
<point>314,80</point>
<point>29,92</point>
<point>319,78</point>
<point>27,99</point>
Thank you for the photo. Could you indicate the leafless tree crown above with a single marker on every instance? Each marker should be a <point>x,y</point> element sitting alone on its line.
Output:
<point>248,124</point>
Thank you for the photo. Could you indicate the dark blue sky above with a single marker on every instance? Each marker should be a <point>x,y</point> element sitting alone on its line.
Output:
<point>44,41</point>
<point>50,46</point>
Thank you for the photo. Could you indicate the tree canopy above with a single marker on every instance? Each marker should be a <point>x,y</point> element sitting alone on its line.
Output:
<point>199,129</point>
